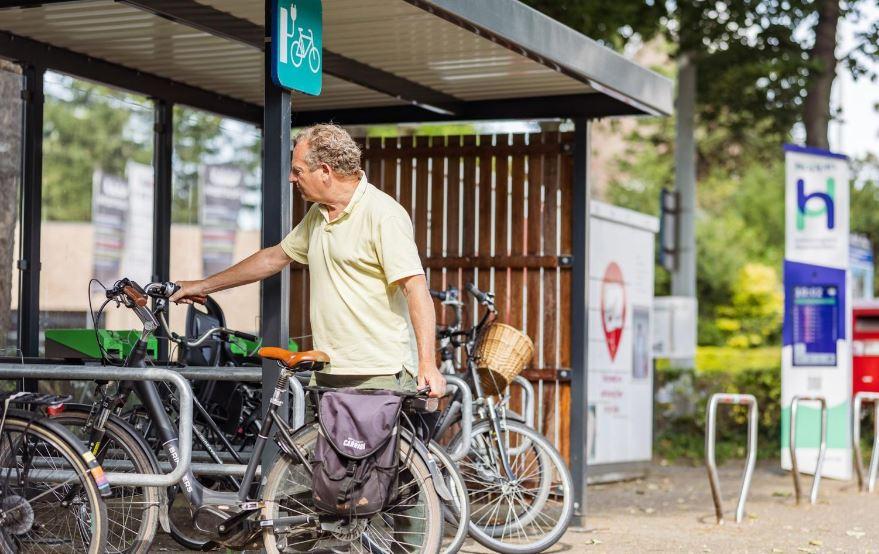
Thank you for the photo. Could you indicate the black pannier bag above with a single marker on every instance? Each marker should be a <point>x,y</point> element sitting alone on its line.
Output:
<point>356,457</point>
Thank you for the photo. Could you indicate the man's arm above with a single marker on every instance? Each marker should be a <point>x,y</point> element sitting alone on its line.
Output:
<point>256,267</point>
<point>424,322</point>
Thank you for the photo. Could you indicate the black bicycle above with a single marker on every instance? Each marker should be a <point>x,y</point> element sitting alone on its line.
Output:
<point>52,486</point>
<point>278,513</point>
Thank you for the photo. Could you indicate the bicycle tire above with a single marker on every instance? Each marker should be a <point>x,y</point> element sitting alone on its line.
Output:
<point>456,511</point>
<point>491,536</point>
<point>71,453</point>
<point>119,444</point>
<point>183,534</point>
<point>282,468</point>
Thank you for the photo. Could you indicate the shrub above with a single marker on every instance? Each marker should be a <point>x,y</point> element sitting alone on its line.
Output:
<point>682,398</point>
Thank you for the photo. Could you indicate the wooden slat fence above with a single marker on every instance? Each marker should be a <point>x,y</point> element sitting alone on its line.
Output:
<point>494,210</point>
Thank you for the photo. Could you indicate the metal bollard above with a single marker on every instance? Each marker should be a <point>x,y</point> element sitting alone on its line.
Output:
<point>750,460</point>
<point>822,448</point>
<point>859,399</point>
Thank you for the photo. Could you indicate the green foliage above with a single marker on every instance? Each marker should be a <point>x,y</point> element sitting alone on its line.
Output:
<point>754,58</point>
<point>195,134</point>
<point>683,399</point>
<point>753,317</point>
<point>865,203</point>
<point>713,359</point>
<point>89,127</point>
<point>740,221</point>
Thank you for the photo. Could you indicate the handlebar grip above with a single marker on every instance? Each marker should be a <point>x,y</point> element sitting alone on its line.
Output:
<point>245,336</point>
<point>135,295</point>
<point>439,295</point>
<point>478,294</point>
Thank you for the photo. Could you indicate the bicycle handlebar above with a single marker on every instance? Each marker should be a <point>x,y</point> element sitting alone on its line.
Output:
<point>486,298</point>
<point>438,294</point>
<point>135,295</point>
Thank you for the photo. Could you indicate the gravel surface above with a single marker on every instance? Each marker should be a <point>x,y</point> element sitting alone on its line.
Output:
<point>671,511</point>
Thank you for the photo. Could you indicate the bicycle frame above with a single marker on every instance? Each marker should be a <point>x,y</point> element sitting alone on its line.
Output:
<point>226,511</point>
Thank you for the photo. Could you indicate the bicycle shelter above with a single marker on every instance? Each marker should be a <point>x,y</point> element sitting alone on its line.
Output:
<point>385,62</point>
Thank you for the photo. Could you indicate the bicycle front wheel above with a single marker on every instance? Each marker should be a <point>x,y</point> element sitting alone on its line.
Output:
<point>41,515</point>
<point>522,513</point>
<point>133,510</point>
<point>413,524</point>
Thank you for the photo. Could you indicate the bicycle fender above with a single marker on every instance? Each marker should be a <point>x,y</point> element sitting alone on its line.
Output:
<point>164,517</point>
<point>421,451</point>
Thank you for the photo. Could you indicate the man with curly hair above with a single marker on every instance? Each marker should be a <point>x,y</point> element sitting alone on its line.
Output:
<point>371,310</point>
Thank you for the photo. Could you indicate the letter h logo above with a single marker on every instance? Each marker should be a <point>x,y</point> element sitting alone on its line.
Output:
<point>827,208</point>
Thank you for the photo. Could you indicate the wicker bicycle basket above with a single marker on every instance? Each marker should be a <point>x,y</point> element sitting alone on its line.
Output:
<point>501,354</point>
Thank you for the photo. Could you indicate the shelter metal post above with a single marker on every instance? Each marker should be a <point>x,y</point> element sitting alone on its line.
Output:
<point>579,308</point>
<point>31,214</point>
<point>822,445</point>
<point>683,278</point>
<point>163,145</point>
<point>869,484</point>
<point>276,216</point>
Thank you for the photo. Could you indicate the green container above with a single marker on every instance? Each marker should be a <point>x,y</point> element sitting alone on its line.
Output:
<point>81,343</point>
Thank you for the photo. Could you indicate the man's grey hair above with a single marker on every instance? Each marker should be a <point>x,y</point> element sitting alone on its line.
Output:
<point>332,145</point>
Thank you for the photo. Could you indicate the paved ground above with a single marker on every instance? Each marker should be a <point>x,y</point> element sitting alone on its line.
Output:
<point>671,511</point>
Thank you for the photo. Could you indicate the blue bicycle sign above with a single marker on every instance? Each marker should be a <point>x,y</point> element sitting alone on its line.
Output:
<point>297,45</point>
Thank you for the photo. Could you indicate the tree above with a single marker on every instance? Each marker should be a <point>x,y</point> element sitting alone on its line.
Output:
<point>88,127</point>
<point>756,68</point>
<point>10,156</point>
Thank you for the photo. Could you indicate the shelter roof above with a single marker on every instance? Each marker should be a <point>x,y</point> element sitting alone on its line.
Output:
<point>383,60</point>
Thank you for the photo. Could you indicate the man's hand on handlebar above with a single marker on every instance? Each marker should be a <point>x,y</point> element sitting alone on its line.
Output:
<point>189,292</point>
<point>430,376</point>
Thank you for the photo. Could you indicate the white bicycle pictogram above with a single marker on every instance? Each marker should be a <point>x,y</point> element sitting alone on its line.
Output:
<point>301,48</point>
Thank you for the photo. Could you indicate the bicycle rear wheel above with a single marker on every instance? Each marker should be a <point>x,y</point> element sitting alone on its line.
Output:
<point>40,515</point>
<point>413,524</point>
<point>456,512</point>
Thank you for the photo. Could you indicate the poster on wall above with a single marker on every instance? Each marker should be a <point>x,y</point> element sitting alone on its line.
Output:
<point>109,216</point>
<point>137,255</point>
<point>221,187</point>
<point>816,353</point>
<point>620,380</point>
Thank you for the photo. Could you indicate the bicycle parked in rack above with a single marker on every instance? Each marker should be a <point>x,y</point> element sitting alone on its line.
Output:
<point>521,491</point>
<point>278,514</point>
<point>52,486</point>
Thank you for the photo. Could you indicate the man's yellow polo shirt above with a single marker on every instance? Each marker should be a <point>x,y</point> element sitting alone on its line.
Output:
<point>358,316</point>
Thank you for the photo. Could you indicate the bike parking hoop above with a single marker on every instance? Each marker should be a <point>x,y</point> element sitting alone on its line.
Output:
<point>463,447</point>
<point>859,399</point>
<point>249,375</point>
<point>822,445</point>
<point>528,401</point>
<point>113,373</point>
<point>751,457</point>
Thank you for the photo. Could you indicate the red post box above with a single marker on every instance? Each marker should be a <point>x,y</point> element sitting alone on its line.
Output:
<point>865,346</point>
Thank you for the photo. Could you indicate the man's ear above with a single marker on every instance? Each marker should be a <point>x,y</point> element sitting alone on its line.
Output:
<point>326,173</point>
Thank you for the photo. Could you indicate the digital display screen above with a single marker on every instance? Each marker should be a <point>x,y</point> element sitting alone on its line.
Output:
<point>815,317</point>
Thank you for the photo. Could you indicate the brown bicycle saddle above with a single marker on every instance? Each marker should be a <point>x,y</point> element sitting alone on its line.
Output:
<point>292,359</point>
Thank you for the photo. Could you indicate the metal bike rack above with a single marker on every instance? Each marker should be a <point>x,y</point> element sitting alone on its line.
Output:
<point>859,399</point>
<point>466,416</point>
<point>528,403</point>
<point>250,375</point>
<point>822,448</point>
<point>112,373</point>
<point>750,460</point>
